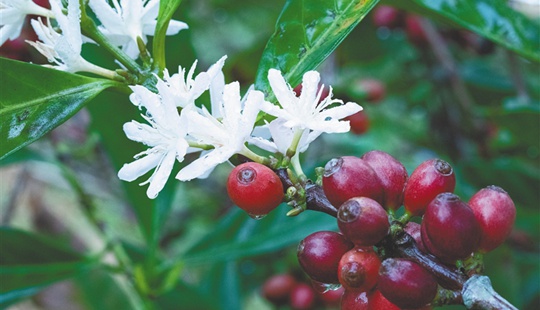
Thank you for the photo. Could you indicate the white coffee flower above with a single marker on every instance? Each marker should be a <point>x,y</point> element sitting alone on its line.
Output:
<point>227,133</point>
<point>13,14</point>
<point>282,137</point>
<point>166,137</point>
<point>63,49</point>
<point>305,111</point>
<point>127,20</point>
<point>186,89</point>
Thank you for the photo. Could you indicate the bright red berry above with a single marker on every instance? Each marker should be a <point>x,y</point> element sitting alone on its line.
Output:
<point>429,179</point>
<point>392,175</point>
<point>363,221</point>
<point>302,297</point>
<point>358,269</point>
<point>355,300</point>
<point>495,212</point>
<point>450,230</point>
<point>319,255</point>
<point>332,298</point>
<point>255,188</point>
<point>359,122</point>
<point>378,302</point>
<point>349,176</point>
<point>405,283</point>
<point>277,288</point>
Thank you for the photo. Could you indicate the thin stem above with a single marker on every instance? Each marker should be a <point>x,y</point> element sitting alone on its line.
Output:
<point>255,157</point>
<point>291,151</point>
<point>106,73</point>
<point>22,179</point>
<point>295,161</point>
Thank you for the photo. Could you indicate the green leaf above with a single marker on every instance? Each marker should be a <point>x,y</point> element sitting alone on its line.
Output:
<point>306,33</point>
<point>240,236</point>
<point>30,262</point>
<point>36,99</point>
<point>492,19</point>
<point>166,11</point>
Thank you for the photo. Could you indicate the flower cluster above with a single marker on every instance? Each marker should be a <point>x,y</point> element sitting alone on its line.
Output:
<point>177,126</point>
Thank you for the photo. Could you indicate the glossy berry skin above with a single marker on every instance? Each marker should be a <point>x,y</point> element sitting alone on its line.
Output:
<point>377,302</point>
<point>277,288</point>
<point>429,179</point>
<point>255,188</point>
<point>414,229</point>
<point>319,255</point>
<point>495,212</point>
<point>406,284</point>
<point>358,269</point>
<point>359,122</point>
<point>332,298</point>
<point>355,300</point>
<point>392,174</point>
<point>302,297</point>
<point>349,176</point>
<point>449,228</point>
<point>363,221</point>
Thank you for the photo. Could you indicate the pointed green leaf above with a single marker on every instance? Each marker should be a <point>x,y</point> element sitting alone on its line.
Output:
<point>29,262</point>
<point>306,33</point>
<point>36,99</point>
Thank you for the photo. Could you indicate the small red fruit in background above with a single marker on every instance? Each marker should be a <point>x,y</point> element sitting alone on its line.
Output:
<point>495,212</point>
<point>349,176</point>
<point>429,179</point>
<point>359,122</point>
<point>386,16</point>
<point>415,31</point>
<point>392,175</point>
<point>449,228</point>
<point>371,90</point>
<point>405,283</point>
<point>359,269</point>
<point>319,255</point>
<point>255,188</point>
<point>363,221</point>
<point>277,288</point>
<point>302,297</point>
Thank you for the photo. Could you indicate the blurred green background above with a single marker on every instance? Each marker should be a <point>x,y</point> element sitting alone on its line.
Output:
<point>192,232</point>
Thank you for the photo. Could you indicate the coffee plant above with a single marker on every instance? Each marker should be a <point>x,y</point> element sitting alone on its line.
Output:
<point>160,154</point>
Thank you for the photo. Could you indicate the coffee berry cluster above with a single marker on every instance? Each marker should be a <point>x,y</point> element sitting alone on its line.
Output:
<point>368,257</point>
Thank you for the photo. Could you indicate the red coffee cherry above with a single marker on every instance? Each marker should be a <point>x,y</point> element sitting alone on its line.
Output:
<point>449,228</point>
<point>358,269</point>
<point>371,90</point>
<point>378,302</point>
<point>415,31</point>
<point>363,221</point>
<point>406,284</point>
<point>349,176</point>
<point>355,300</point>
<point>392,175</point>
<point>359,122</point>
<point>319,255</point>
<point>414,229</point>
<point>302,297</point>
<point>277,288</point>
<point>429,179</point>
<point>332,298</point>
<point>255,188</point>
<point>495,212</point>
<point>386,16</point>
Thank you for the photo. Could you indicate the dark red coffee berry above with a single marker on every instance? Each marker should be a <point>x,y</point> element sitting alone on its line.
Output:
<point>386,16</point>
<point>349,176</point>
<point>378,302</point>
<point>332,298</point>
<point>255,188</point>
<point>450,230</point>
<point>277,288</point>
<point>371,90</point>
<point>405,283</point>
<point>392,174</point>
<point>495,212</point>
<point>302,297</point>
<point>359,122</point>
<point>363,221</point>
<point>355,300</point>
<point>319,255</point>
<point>429,179</point>
<point>358,269</point>
<point>414,229</point>
<point>415,31</point>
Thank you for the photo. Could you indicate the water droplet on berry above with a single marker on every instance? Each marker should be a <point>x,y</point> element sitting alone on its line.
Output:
<point>324,287</point>
<point>257,216</point>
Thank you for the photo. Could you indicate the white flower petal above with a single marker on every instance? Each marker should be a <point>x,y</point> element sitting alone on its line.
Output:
<point>283,92</point>
<point>161,175</point>
<point>206,163</point>
<point>132,171</point>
